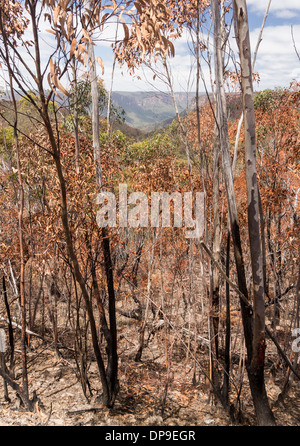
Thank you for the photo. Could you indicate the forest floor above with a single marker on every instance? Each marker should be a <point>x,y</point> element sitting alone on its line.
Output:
<point>150,393</point>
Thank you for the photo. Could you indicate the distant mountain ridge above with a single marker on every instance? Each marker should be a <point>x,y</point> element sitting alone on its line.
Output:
<point>150,110</point>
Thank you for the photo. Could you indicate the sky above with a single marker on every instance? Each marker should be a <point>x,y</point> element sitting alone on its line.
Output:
<point>277,62</point>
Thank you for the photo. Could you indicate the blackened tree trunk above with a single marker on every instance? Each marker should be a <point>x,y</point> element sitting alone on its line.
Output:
<point>44,112</point>
<point>222,126</point>
<point>215,293</point>
<point>111,334</point>
<point>226,381</point>
<point>256,369</point>
<point>253,326</point>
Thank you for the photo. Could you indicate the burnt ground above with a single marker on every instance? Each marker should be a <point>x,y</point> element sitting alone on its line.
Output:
<point>150,393</point>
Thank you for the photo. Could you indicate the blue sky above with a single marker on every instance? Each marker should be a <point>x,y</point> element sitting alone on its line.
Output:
<point>277,62</point>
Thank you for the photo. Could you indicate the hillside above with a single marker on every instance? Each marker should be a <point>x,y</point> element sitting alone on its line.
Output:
<point>150,110</point>
<point>147,111</point>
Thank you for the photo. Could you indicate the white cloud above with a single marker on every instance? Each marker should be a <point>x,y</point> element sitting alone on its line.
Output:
<point>286,14</point>
<point>277,62</point>
<point>277,6</point>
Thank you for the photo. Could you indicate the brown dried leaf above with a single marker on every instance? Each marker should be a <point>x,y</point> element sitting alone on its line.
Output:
<point>126,31</point>
<point>47,16</point>
<point>82,48</point>
<point>70,24</point>
<point>56,14</point>
<point>55,80</point>
<point>51,86</point>
<point>100,62</point>
<point>86,35</point>
<point>51,31</point>
<point>73,46</point>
